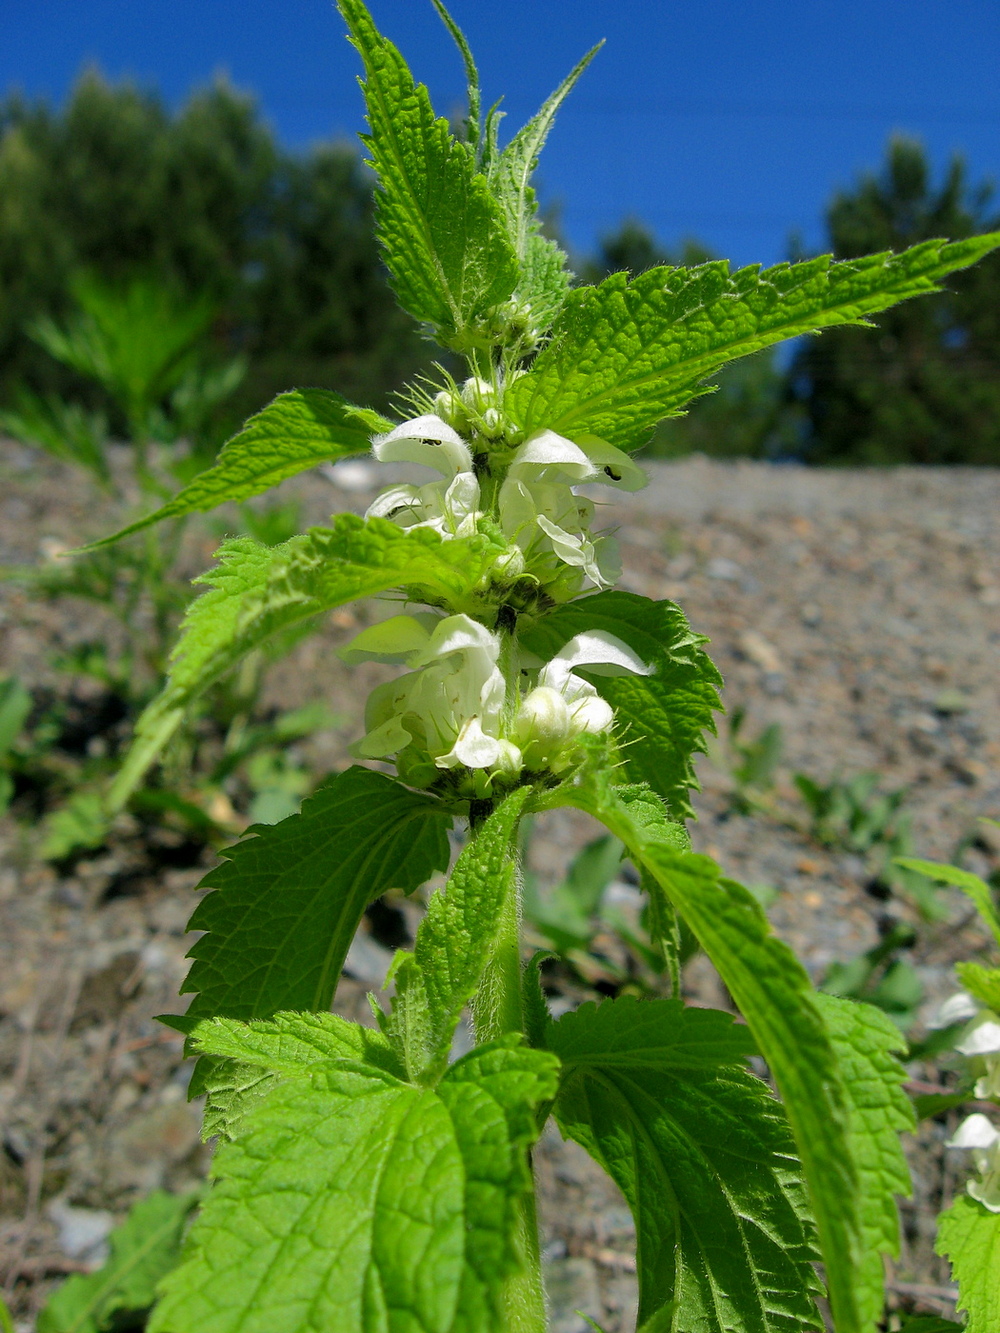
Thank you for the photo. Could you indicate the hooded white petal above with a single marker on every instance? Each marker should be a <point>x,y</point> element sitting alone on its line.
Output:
<point>545,455</point>
<point>614,467</point>
<point>981,1038</point>
<point>974,1132</point>
<point>600,652</point>
<point>956,1009</point>
<point>427,440</point>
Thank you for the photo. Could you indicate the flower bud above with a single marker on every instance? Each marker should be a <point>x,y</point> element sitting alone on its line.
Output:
<point>449,407</point>
<point>510,565</point>
<point>542,726</point>
<point>477,394</point>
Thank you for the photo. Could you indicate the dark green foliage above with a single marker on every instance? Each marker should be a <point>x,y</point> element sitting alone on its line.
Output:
<point>288,900</point>
<point>205,201</point>
<point>926,388</point>
<point>658,1094</point>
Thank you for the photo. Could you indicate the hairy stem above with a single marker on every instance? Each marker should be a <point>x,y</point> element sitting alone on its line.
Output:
<point>497,1008</point>
<point>524,1296</point>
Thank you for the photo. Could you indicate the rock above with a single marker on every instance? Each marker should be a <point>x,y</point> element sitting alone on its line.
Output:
<point>140,1154</point>
<point>83,1232</point>
<point>572,1289</point>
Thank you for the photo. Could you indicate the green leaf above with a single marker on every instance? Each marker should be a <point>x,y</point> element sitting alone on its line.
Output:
<point>241,1062</point>
<point>299,430</point>
<point>257,590</point>
<point>544,281</point>
<point>657,1094</point>
<point>353,1201</point>
<point>143,1250</point>
<point>969,1236</point>
<point>930,1104</point>
<point>775,996</point>
<point>661,718</point>
<point>454,942</point>
<point>971,885</point>
<point>15,705</point>
<point>865,1041</point>
<point>442,232</point>
<point>288,898</point>
<point>981,982</point>
<point>625,354</point>
<point>629,1033</point>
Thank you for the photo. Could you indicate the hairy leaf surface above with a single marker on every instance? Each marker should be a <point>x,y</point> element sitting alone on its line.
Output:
<point>544,279</point>
<point>702,1153</point>
<point>865,1041</point>
<point>143,1250</point>
<point>288,898</point>
<point>969,1236</point>
<point>775,996</point>
<point>661,718</point>
<point>443,234</point>
<point>299,430</point>
<point>257,590</point>
<point>625,353</point>
<point>455,941</point>
<point>357,1202</point>
<point>241,1062</point>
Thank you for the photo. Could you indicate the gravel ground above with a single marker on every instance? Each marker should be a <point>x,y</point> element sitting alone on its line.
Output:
<point>860,610</point>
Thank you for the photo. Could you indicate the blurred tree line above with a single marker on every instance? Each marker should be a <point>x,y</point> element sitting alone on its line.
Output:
<point>205,202</point>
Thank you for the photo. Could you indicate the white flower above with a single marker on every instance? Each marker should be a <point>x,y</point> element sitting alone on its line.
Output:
<point>562,705</point>
<point>540,511</point>
<point>956,1009</point>
<point>450,507</point>
<point>427,440</point>
<point>450,706</point>
<point>981,1136</point>
<point>981,1037</point>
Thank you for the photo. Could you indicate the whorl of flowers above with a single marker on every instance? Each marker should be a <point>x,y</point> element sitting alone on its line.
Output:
<point>472,701</point>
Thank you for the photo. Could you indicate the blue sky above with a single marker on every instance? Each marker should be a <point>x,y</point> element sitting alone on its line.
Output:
<point>731,120</point>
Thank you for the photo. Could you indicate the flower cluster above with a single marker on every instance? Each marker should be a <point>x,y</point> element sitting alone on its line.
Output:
<point>455,708</point>
<point>471,702</point>
<point>980,1044</point>
<point>533,501</point>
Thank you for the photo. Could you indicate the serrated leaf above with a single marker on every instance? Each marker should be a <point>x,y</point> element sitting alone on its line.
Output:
<point>241,1062</point>
<point>969,1236</point>
<point>625,354</point>
<point>866,1040</point>
<point>981,982</point>
<point>257,590</point>
<point>660,718</point>
<point>297,431</point>
<point>975,888</point>
<point>544,279</point>
<point>288,898</point>
<point>353,1201</point>
<point>650,1034</point>
<point>143,1250</point>
<point>775,996</point>
<point>442,232</point>
<point>658,1095</point>
<point>455,942</point>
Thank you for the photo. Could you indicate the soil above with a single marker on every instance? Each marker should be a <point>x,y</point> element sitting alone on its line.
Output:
<point>859,610</point>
